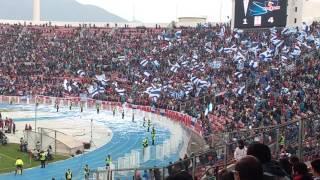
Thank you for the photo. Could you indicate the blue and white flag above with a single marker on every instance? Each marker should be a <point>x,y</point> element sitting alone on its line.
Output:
<point>121,58</point>
<point>195,80</point>
<point>266,56</point>
<point>267,89</point>
<point>156,63</point>
<point>178,34</point>
<point>296,51</point>
<point>288,31</point>
<point>238,57</point>
<point>240,91</point>
<point>144,62</point>
<point>203,84</point>
<point>146,74</point>
<point>229,50</point>
<point>67,86</point>
<point>93,91</point>
<point>284,58</point>
<point>175,68</point>
<point>120,91</point>
<point>254,64</point>
<point>210,107</point>
<point>153,92</point>
<point>216,64</point>
<point>238,75</point>
<point>184,63</point>
<point>102,79</point>
<point>81,73</point>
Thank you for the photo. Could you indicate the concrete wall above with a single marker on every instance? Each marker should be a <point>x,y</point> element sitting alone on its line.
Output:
<point>307,11</point>
<point>311,11</point>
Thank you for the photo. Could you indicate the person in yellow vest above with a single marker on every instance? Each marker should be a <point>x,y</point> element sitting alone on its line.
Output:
<point>19,165</point>
<point>43,159</point>
<point>68,175</point>
<point>281,141</point>
<point>108,161</point>
<point>145,143</point>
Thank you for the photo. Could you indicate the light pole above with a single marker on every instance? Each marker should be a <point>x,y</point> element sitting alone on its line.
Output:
<point>91,142</point>
<point>36,11</point>
<point>35,114</point>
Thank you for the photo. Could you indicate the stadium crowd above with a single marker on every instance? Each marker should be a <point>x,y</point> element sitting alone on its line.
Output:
<point>210,72</point>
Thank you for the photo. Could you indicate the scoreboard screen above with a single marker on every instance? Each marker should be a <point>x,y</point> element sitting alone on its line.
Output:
<point>260,13</point>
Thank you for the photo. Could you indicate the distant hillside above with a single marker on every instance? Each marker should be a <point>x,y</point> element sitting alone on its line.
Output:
<point>56,10</point>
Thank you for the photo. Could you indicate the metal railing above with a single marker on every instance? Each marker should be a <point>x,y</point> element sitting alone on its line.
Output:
<point>301,138</point>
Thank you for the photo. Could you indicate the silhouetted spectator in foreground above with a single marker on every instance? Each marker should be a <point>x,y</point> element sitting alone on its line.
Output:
<point>315,166</point>
<point>271,169</point>
<point>300,172</point>
<point>183,175</point>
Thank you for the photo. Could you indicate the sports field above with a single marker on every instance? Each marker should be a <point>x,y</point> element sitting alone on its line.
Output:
<point>10,152</point>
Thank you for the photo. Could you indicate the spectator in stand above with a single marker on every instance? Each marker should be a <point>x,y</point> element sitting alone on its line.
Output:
<point>293,160</point>
<point>226,175</point>
<point>300,172</point>
<point>271,169</point>
<point>286,165</point>
<point>183,175</point>
<point>248,168</point>
<point>186,162</point>
<point>240,151</point>
<point>315,166</point>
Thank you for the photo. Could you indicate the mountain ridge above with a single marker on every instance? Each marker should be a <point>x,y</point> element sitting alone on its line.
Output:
<point>56,10</point>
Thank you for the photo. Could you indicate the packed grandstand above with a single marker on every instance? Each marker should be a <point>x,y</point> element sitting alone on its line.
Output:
<point>228,80</point>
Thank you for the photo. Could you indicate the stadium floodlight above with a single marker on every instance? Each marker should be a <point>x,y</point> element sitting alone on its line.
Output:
<point>36,10</point>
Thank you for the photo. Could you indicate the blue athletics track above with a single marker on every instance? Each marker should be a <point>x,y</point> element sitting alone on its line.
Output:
<point>126,136</point>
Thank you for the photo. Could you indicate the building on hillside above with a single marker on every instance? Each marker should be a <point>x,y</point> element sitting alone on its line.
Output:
<point>191,21</point>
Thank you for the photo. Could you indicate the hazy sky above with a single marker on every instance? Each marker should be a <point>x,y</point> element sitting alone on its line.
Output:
<point>151,11</point>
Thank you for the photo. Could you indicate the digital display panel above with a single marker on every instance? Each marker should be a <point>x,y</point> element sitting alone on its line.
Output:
<point>260,13</point>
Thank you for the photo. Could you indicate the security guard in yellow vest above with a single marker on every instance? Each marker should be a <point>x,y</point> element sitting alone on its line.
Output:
<point>108,161</point>
<point>43,159</point>
<point>19,165</point>
<point>68,175</point>
<point>145,143</point>
<point>282,141</point>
